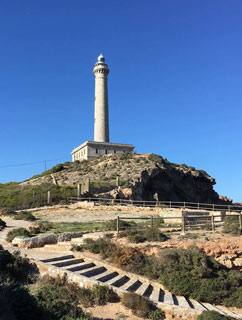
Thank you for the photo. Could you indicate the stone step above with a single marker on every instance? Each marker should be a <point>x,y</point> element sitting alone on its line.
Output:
<point>230,313</point>
<point>213,308</point>
<point>77,240</point>
<point>182,302</point>
<point>197,305</point>
<point>93,271</point>
<point>168,298</point>
<point>120,281</point>
<point>155,294</point>
<point>127,285</point>
<point>142,289</point>
<point>108,277</point>
<point>102,275</point>
<point>68,262</point>
<point>58,258</point>
<point>82,266</point>
<point>124,283</point>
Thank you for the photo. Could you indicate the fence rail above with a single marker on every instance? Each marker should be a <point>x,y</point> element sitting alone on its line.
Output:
<point>165,204</point>
<point>185,223</point>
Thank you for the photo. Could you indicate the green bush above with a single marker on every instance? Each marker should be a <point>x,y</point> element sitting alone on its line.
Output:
<point>24,215</point>
<point>102,294</point>
<point>157,314</point>
<point>13,196</point>
<point>192,274</point>
<point>235,298</point>
<point>104,247</point>
<point>231,225</point>
<point>2,224</point>
<point>111,225</point>
<point>15,268</point>
<point>139,305</point>
<point>17,232</point>
<point>212,315</point>
<point>59,302</point>
<point>149,234</point>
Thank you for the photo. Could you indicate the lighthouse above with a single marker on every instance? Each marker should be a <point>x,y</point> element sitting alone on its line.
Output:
<point>101,121</point>
<point>101,145</point>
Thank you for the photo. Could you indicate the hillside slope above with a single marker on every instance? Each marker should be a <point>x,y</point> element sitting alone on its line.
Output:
<point>147,176</point>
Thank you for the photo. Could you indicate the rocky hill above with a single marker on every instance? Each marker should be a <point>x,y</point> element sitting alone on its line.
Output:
<point>142,176</point>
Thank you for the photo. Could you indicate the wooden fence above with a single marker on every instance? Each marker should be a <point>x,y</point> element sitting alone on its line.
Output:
<point>186,222</point>
<point>162,204</point>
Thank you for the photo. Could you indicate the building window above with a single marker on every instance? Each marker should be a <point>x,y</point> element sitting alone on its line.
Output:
<point>106,151</point>
<point>96,151</point>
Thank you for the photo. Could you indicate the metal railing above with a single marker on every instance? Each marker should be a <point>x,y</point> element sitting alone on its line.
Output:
<point>162,204</point>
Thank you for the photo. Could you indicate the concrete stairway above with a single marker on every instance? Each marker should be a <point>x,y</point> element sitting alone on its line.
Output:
<point>86,272</point>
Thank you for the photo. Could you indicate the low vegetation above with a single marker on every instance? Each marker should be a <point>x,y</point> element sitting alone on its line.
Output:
<point>212,315</point>
<point>15,196</point>
<point>187,272</point>
<point>141,306</point>
<point>231,225</point>
<point>23,295</point>
<point>149,234</point>
<point>193,274</point>
<point>16,233</point>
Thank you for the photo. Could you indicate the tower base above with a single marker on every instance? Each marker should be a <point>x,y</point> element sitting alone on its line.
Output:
<point>93,149</point>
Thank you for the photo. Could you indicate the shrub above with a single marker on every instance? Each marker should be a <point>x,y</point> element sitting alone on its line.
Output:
<point>102,294</point>
<point>104,247</point>
<point>2,224</point>
<point>212,315</point>
<point>24,215</point>
<point>157,314</point>
<point>139,305</point>
<point>149,234</point>
<point>7,212</point>
<point>17,232</point>
<point>57,300</point>
<point>231,225</point>
<point>111,225</point>
<point>15,268</point>
<point>191,273</point>
<point>155,158</point>
<point>129,259</point>
<point>235,299</point>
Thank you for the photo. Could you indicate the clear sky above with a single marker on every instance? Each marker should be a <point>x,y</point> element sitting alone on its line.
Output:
<point>175,82</point>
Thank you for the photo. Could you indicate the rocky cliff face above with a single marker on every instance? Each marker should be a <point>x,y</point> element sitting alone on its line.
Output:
<point>144,176</point>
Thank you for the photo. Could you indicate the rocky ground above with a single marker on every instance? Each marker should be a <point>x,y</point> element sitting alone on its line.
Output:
<point>142,177</point>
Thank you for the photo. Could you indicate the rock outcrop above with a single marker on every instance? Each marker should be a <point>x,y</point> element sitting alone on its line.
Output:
<point>141,176</point>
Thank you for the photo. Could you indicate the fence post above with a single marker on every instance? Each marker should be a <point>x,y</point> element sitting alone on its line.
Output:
<point>49,197</point>
<point>212,221</point>
<point>240,220</point>
<point>229,208</point>
<point>213,207</point>
<point>183,224</point>
<point>118,225</point>
<point>198,206</point>
<point>79,190</point>
<point>184,205</point>
<point>170,204</point>
<point>151,222</point>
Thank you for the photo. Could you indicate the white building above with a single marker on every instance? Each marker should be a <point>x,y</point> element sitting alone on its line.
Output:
<point>101,144</point>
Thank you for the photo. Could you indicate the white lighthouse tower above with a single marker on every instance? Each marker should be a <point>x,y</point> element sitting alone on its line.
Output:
<point>101,122</point>
<point>100,145</point>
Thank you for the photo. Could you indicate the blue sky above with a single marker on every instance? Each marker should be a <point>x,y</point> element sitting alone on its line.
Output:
<point>174,83</point>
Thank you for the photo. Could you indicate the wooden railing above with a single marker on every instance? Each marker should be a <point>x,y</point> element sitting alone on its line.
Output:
<point>164,204</point>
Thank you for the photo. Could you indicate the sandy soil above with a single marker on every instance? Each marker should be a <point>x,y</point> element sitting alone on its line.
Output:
<point>111,311</point>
